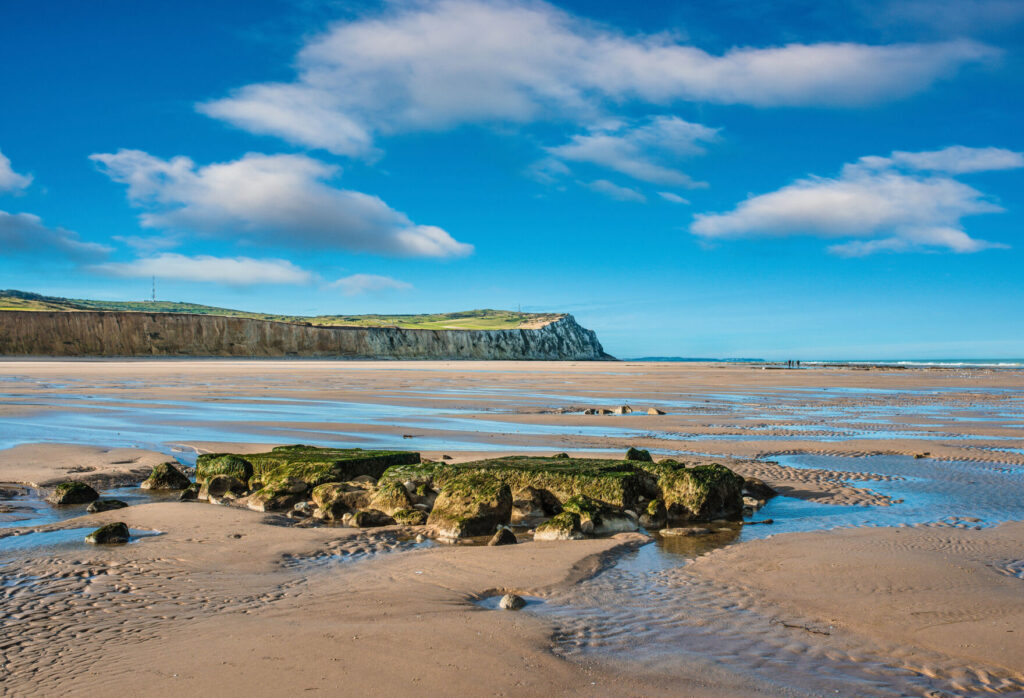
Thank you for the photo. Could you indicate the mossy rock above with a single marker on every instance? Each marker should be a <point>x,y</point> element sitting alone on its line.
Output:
<point>410,517</point>
<point>110,534</point>
<point>221,485</point>
<point>72,492</point>
<point>210,464</point>
<point>701,493</point>
<point>390,496</point>
<point>654,516</point>
<point>589,510</point>
<point>565,526</point>
<point>316,466</point>
<point>371,518</point>
<point>613,482</point>
<point>471,504</point>
<point>639,454</point>
<point>166,476</point>
<point>101,505</point>
<point>335,499</point>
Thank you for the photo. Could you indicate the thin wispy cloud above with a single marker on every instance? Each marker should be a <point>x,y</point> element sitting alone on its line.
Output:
<point>614,191</point>
<point>11,181</point>
<point>904,202</point>
<point>642,151</point>
<point>233,271</point>
<point>672,197</point>
<point>359,284</point>
<point>436,65</point>
<point>274,199</point>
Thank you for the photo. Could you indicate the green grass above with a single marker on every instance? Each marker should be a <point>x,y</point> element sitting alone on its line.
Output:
<point>465,320</point>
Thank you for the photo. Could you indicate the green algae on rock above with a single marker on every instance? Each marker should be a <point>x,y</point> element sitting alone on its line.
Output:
<point>166,476</point>
<point>210,464</point>
<point>565,526</point>
<point>410,517</point>
<point>390,496</point>
<point>700,493</point>
<point>110,534</point>
<point>72,492</point>
<point>471,504</point>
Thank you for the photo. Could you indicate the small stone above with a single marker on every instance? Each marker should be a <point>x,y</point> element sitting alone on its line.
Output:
<point>511,602</point>
<point>166,476</point>
<point>654,410</point>
<point>420,538</point>
<point>101,505</point>
<point>561,455</point>
<point>503,537</point>
<point>639,454</point>
<point>623,409</point>
<point>110,534</point>
<point>446,457</point>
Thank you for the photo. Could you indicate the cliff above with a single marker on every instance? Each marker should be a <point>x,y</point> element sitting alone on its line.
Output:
<point>86,333</point>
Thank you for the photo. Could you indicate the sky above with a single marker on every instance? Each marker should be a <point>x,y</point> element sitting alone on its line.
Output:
<point>780,180</point>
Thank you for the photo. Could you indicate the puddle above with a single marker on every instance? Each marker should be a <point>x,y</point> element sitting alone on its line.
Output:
<point>64,539</point>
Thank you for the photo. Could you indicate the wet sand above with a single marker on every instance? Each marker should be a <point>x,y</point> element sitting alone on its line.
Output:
<point>280,609</point>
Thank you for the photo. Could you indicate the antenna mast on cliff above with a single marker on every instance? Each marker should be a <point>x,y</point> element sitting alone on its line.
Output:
<point>154,288</point>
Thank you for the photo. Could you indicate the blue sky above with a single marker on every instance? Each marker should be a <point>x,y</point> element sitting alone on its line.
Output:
<point>805,179</point>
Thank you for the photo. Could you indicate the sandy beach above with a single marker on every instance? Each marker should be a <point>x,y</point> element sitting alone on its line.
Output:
<point>893,565</point>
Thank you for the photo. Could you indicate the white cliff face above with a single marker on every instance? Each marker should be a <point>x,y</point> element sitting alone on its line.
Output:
<point>175,334</point>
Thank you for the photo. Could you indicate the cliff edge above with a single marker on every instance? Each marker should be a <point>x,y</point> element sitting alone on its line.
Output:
<point>105,333</point>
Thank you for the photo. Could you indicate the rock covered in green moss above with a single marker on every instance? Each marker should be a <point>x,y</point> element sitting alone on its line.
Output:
<point>612,482</point>
<point>598,518</point>
<point>472,504</point>
<point>390,496</point>
<point>565,526</point>
<point>166,476</point>
<point>700,493</point>
<point>72,492</point>
<point>220,486</point>
<point>410,517</point>
<point>371,518</point>
<point>335,499</point>
<point>639,454</point>
<point>110,534</point>
<point>316,466</point>
<point>101,505</point>
<point>231,464</point>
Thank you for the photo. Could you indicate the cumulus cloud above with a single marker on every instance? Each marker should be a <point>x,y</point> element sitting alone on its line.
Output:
<point>884,204</point>
<point>358,284</point>
<point>277,199</point>
<point>25,233</point>
<point>236,271</point>
<point>434,65</point>
<point>9,179</point>
<point>603,186</point>
<point>640,151</point>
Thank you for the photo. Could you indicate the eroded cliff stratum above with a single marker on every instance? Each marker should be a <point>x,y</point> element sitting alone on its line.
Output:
<point>133,333</point>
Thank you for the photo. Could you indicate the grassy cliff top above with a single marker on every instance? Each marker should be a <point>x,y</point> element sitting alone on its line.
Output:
<point>465,320</point>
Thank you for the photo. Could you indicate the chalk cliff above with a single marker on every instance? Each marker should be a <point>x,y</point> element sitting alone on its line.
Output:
<point>36,333</point>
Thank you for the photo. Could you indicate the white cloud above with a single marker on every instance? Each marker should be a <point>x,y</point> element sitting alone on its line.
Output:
<point>640,151</point>
<point>956,159</point>
<point>673,197</point>
<point>357,284</point>
<point>277,199</point>
<point>236,271</point>
<point>872,201</point>
<point>25,233</point>
<point>607,188</point>
<point>434,65</point>
<point>9,179</point>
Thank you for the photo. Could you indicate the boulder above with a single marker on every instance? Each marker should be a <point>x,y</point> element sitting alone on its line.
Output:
<point>654,515</point>
<point>700,493</point>
<point>210,464</point>
<point>616,522</point>
<point>410,517</point>
<point>639,454</point>
<point>73,492</point>
<point>390,496</point>
<point>565,526</point>
<point>503,537</point>
<point>753,487</point>
<point>220,486</point>
<point>335,499</point>
<point>654,410</point>
<point>190,493</point>
<point>166,476</point>
<point>109,534</point>
<point>471,504</point>
<point>101,505</point>
<point>371,518</point>
<point>511,602</point>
